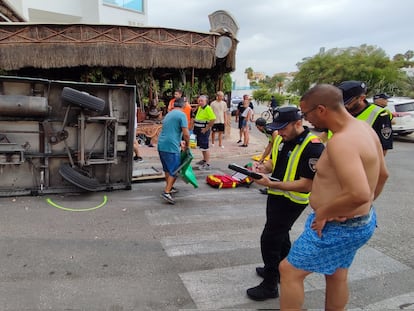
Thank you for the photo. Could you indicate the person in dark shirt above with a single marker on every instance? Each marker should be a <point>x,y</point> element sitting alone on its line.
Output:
<point>354,97</point>
<point>294,155</point>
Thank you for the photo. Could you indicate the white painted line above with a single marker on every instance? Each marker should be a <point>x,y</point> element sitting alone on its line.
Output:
<point>213,242</point>
<point>203,213</point>
<point>226,287</point>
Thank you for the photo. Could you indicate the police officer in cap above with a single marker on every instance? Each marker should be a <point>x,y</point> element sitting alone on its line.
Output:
<point>354,96</point>
<point>295,152</point>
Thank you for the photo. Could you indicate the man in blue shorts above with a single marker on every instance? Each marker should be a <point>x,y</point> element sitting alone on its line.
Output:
<point>174,130</point>
<point>350,174</point>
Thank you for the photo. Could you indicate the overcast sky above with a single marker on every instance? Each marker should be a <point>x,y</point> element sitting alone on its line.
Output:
<point>274,35</point>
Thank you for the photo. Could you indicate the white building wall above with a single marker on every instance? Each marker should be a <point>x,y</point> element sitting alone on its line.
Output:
<point>123,16</point>
<point>78,11</point>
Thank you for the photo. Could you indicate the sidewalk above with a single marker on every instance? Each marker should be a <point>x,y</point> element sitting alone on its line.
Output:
<point>231,149</point>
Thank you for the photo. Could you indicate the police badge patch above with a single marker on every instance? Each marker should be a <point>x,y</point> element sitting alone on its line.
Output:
<point>312,164</point>
<point>386,132</point>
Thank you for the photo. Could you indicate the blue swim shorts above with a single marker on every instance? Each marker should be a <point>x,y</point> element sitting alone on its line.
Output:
<point>170,161</point>
<point>337,246</point>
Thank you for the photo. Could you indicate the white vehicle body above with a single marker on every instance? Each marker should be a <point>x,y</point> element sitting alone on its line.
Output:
<point>402,109</point>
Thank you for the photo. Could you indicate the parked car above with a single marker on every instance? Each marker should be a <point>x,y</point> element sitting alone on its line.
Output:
<point>233,104</point>
<point>402,109</point>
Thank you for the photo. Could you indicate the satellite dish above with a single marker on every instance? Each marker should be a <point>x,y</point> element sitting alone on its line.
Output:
<point>223,47</point>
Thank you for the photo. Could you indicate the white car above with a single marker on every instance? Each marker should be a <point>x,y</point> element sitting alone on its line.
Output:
<point>234,103</point>
<point>402,109</point>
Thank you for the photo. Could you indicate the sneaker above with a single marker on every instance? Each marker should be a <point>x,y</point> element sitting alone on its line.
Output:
<point>167,197</point>
<point>262,292</point>
<point>222,147</point>
<point>138,159</point>
<point>239,141</point>
<point>212,145</point>
<point>174,190</point>
<point>204,167</point>
<point>201,162</point>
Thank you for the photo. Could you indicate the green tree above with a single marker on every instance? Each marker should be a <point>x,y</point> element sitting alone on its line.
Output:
<point>227,83</point>
<point>249,71</point>
<point>365,63</point>
<point>274,83</point>
<point>261,96</point>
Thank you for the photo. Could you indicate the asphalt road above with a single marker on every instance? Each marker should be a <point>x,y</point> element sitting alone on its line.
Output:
<point>138,253</point>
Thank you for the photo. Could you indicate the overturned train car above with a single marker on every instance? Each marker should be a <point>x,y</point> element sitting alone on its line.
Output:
<point>58,136</point>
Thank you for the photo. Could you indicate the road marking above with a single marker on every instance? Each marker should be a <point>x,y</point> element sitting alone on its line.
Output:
<point>68,209</point>
<point>226,287</point>
<point>204,212</point>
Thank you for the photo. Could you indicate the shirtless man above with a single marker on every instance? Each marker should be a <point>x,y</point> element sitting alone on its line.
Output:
<point>350,175</point>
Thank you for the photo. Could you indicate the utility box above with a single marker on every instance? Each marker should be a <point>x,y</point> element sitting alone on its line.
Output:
<point>60,136</point>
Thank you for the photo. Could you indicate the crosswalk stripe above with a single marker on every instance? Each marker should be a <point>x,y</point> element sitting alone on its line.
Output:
<point>226,287</point>
<point>203,213</point>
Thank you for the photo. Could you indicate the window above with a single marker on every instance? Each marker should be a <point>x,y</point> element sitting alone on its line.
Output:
<point>136,5</point>
<point>404,107</point>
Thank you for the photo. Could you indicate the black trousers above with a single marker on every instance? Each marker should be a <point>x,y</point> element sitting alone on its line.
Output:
<point>281,214</point>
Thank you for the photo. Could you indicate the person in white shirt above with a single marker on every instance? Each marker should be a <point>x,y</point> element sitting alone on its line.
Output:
<point>219,107</point>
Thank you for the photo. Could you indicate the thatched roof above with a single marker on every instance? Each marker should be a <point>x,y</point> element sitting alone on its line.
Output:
<point>49,46</point>
<point>7,14</point>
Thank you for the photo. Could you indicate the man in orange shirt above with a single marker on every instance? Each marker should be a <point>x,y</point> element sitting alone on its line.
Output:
<point>186,108</point>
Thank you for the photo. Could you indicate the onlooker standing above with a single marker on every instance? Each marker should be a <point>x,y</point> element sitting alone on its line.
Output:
<point>219,107</point>
<point>203,122</point>
<point>239,111</point>
<point>174,130</point>
<point>294,155</point>
<point>186,107</point>
<point>246,117</point>
<point>351,174</point>
<point>354,97</point>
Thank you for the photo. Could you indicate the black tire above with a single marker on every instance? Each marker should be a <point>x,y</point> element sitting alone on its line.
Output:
<point>266,115</point>
<point>78,179</point>
<point>82,99</point>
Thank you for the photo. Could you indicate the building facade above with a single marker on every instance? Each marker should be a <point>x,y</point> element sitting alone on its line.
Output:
<point>112,12</point>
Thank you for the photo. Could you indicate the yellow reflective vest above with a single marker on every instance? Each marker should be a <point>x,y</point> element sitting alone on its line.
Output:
<point>291,169</point>
<point>369,115</point>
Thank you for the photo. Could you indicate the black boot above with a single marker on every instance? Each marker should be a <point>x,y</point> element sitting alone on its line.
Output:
<point>261,272</point>
<point>262,292</point>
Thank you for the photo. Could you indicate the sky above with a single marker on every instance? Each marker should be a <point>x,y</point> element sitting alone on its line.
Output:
<point>274,35</point>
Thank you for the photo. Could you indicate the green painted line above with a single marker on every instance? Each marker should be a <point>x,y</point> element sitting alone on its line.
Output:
<point>50,202</point>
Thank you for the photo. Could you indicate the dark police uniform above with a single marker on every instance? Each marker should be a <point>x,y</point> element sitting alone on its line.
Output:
<point>281,211</point>
<point>381,124</point>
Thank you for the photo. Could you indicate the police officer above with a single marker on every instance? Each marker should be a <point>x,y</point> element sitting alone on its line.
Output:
<point>381,99</point>
<point>354,96</point>
<point>294,155</point>
<point>271,134</point>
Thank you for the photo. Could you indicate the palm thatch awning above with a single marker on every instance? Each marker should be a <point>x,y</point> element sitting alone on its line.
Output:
<point>48,46</point>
